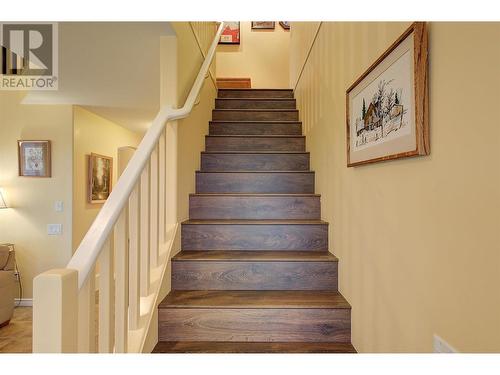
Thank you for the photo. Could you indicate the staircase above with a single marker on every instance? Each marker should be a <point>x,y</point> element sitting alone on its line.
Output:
<point>254,274</point>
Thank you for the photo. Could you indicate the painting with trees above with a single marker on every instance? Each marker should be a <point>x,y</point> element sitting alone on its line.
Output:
<point>384,107</point>
<point>387,116</point>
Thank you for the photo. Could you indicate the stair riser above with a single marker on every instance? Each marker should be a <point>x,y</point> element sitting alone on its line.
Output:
<point>289,237</point>
<point>255,128</point>
<point>241,325</point>
<point>254,208</point>
<point>254,162</point>
<point>251,275</point>
<point>254,104</point>
<point>251,347</point>
<point>261,115</point>
<point>288,183</point>
<point>261,94</point>
<point>249,143</point>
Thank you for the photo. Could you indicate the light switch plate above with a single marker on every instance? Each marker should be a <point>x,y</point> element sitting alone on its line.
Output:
<point>441,346</point>
<point>58,206</point>
<point>54,229</point>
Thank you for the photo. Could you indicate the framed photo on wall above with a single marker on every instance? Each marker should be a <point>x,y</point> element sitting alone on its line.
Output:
<point>34,159</point>
<point>100,177</point>
<point>387,107</point>
<point>263,25</point>
<point>285,25</point>
<point>231,33</point>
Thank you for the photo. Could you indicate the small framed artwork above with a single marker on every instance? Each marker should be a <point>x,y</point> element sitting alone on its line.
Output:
<point>285,25</point>
<point>231,33</point>
<point>100,176</point>
<point>34,158</point>
<point>387,107</point>
<point>263,25</point>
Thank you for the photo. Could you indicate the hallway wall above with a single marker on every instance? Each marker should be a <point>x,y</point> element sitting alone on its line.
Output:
<point>261,55</point>
<point>417,238</point>
<point>93,134</point>
<point>31,200</point>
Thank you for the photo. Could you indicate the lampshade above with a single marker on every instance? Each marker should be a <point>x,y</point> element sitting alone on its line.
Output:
<point>2,201</point>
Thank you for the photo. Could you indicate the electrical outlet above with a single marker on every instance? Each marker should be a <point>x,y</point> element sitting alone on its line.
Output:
<point>54,229</point>
<point>441,346</point>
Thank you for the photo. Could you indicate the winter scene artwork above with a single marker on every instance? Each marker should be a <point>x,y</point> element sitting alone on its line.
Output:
<point>382,111</point>
<point>387,106</point>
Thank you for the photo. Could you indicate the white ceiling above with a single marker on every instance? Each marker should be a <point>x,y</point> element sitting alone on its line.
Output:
<point>110,68</point>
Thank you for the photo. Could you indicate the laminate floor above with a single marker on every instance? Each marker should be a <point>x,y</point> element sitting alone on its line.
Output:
<point>16,337</point>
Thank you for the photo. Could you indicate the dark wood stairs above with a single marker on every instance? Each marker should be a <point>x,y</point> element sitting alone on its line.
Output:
<point>254,274</point>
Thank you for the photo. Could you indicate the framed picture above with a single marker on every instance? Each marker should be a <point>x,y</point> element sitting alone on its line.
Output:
<point>387,107</point>
<point>231,33</point>
<point>34,158</point>
<point>285,25</point>
<point>263,25</point>
<point>100,177</point>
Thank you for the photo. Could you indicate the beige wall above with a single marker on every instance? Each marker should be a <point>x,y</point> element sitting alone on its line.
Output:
<point>32,199</point>
<point>262,56</point>
<point>417,238</point>
<point>192,130</point>
<point>93,133</point>
<point>181,60</point>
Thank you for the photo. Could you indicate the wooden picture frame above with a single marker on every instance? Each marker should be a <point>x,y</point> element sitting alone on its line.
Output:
<point>285,25</point>
<point>392,122</point>
<point>34,158</point>
<point>99,178</point>
<point>263,25</point>
<point>231,33</point>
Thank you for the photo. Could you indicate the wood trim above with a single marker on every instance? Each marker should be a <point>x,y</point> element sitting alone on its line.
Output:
<point>420,86</point>
<point>234,83</point>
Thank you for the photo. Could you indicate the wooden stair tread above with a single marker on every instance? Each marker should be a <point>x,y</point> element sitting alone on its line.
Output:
<point>256,121</point>
<point>279,136</point>
<point>251,347</point>
<point>258,99</point>
<point>255,256</point>
<point>258,152</point>
<point>264,195</point>
<point>253,89</point>
<point>250,171</point>
<point>255,110</point>
<point>254,222</point>
<point>255,299</point>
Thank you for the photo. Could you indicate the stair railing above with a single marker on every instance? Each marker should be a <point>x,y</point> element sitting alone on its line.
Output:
<point>129,243</point>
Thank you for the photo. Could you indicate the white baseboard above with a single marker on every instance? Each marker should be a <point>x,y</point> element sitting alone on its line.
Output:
<point>25,302</point>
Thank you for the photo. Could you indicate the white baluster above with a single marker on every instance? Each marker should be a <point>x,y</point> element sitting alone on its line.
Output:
<point>144,232</point>
<point>134,291</point>
<point>121,288</point>
<point>106,299</point>
<point>153,208</point>
<point>86,316</point>
<point>161,189</point>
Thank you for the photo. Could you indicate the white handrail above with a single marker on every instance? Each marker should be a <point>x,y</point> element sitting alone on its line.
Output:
<point>87,253</point>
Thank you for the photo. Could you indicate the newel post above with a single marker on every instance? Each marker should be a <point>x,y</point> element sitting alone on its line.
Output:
<point>55,311</point>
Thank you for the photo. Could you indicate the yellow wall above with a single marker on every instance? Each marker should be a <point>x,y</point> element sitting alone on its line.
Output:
<point>93,133</point>
<point>262,55</point>
<point>181,59</point>
<point>417,238</point>
<point>32,199</point>
<point>191,130</point>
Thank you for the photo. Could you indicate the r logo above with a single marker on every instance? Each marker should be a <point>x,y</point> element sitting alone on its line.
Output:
<point>28,56</point>
<point>29,47</point>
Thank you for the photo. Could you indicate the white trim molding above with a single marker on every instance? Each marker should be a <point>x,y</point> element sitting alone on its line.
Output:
<point>24,302</point>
